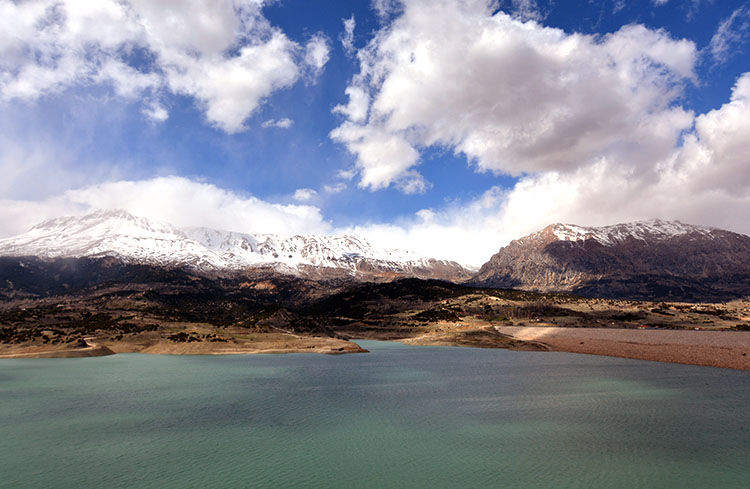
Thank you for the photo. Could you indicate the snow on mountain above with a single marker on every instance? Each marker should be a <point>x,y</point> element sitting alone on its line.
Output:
<point>649,231</point>
<point>322,251</point>
<point>138,240</point>
<point>110,233</point>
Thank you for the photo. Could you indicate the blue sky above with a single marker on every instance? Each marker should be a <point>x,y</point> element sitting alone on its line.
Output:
<point>129,113</point>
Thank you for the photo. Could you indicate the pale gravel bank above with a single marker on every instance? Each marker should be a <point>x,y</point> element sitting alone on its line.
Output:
<point>726,349</point>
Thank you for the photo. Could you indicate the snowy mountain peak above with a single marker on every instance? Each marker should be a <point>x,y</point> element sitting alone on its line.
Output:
<point>651,230</point>
<point>138,240</point>
<point>116,221</point>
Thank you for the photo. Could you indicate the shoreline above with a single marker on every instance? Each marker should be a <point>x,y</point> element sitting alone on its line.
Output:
<point>722,349</point>
<point>318,345</point>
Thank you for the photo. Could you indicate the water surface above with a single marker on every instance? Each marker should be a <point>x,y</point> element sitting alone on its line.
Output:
<point>400,416</point>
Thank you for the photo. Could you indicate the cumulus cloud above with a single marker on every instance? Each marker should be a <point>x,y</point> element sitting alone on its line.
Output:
<point>175,200</point>
<point>512,97</point>
<point>705,181</point>
<point>317,53</point>
<point>384,158</point>
<point>283,123</point>
<point>224,53</point>
<point>304,194</point>
<point>358,106</point>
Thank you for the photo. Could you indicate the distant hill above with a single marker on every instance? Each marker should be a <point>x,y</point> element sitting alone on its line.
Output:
<point>647,260</point>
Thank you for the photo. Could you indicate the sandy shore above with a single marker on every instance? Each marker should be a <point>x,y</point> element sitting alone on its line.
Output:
<point>726,349</point>
<point>283,344</point>
<point>328,346</point>
<point>59,352</point>
<point>486,337</point>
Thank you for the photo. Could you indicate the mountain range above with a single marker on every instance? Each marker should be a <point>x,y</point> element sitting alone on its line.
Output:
<point>136,240</point>
<point>648,260</point>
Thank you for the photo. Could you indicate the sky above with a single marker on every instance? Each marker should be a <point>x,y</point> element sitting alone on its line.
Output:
<point>444,127</point>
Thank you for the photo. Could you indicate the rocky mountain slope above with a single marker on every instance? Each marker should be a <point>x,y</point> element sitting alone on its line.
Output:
<point>135,240</point>
<point>652,260</point>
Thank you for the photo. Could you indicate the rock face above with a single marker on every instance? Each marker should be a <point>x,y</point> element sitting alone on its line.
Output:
<point>649,260</point>
<point>135,240</point>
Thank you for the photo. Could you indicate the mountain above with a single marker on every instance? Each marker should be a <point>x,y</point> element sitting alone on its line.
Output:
<point>650,260</point>
<point>136,240</point>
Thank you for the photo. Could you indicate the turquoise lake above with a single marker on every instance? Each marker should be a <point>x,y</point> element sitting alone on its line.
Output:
<point>398,417</point>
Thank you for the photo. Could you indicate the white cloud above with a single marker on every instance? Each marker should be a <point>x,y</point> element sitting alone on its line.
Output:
<point>385,9</point>
<point>468,233</point>
<point>729,36</point>
<point>283,123</point>
<point>126,81</point>
<point>512,97</point>
<point>304,194</point>
<point>347,39</point>
<point>526,10</point>
<point>705,181</point>
<point>383,157</point>
<point>716,157</point>
<point>359,103</point>
<point>317,53</point>
<point>175,200</point>
<point>156,112</point>
<point>335,188</point>
<point>224,53</point>
<point>659,3</point>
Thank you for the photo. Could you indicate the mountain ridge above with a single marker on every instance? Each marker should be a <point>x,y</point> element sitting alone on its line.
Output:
<point>134,239</point>
<point>650,260</point>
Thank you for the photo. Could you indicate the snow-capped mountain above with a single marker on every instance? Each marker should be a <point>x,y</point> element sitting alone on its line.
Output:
<point>135,239</point>
<point>647,259</point>
<point>652,230</point>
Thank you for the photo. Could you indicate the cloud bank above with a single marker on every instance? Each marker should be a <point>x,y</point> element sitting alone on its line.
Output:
<point>174,200</point>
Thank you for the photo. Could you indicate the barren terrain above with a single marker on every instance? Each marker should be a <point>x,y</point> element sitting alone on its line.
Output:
<point>267,316</point>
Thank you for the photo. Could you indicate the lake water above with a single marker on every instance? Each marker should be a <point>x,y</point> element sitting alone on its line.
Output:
<point>400,416</point>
